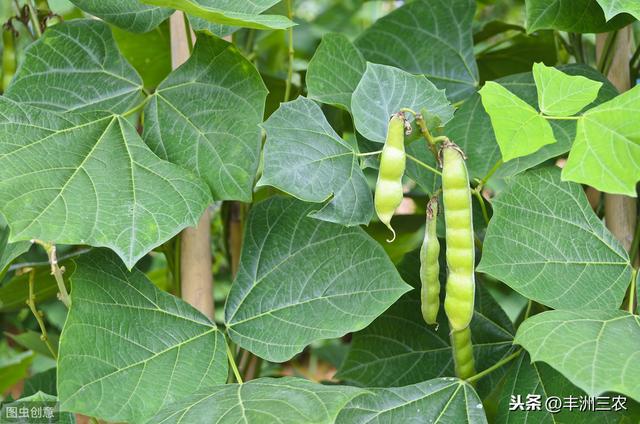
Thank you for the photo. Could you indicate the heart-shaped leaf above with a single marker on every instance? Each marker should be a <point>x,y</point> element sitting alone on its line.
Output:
<point>204,117</point>
<point>127,14</point>
<point>89,179</point>
<point>285,400</point>
<point>304,157</point>
<point>301,279</point>
<point>596,350</point>
<point>545,242</point>
<point>428,37</point>
<point>384,90</point>
<point>132,345</point>
<point>76,67</point>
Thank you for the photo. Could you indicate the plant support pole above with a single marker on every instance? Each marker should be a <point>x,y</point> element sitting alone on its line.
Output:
<point>620,211</point>
<point>195,243</point>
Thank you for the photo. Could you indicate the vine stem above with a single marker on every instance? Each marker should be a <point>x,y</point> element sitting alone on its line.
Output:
<point>424,165</point>
<point>291,53</point>
<point>494,367</point>
<point>56,271</point>
<point>631,307</point>
<point>33,15</point>
<point>561,118</point>
<point>31,302</point>
<point>232,362</point>
<point>377,152</point>
<point>483,207</point>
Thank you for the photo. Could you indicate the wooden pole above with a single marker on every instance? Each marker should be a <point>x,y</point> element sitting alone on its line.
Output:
<point>195,243</point>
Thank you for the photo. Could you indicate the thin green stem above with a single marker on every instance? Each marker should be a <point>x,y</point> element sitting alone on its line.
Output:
<point>56,271</point>
<point>33,15</point>
<point>528,311</point>
<point>137,107</point>
<point>632,292</point>
<point>561,118</point>
<point>635,243</point>
<point>494,367</point>
<point>489,174</point>
<point>287,90</point>
<point>31,302</point>
<point>232,362</point>
<point>483,207</point>
<point>377,152</point>
<point>424,165</point>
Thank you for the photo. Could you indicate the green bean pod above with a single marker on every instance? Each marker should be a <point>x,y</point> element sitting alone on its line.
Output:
<point>8,58</point>
<point>389,193</point>
<point>460,286</point>
<point>463,353</point>
<point>429,266</point>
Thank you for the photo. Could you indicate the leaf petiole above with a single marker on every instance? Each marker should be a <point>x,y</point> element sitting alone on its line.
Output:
<point>494,367</point>
<point>232,362</point>
<point>377,152</point>
<point>424,165</point>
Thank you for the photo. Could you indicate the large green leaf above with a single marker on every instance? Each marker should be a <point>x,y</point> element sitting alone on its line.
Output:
<point>305,157</point>
<point>571,16</point>
<point>335,71</point>
<point>545,242</point>
<point>596,350</point>
<point>76,66</point>
<point>430,37</point>
<point>526,380</point>
<point>384,90</point>
<point>227,12</point>
<point>301,279</point>
<point>398,348</point>
<point>36,403</point>
<point>446,400</point>
<point>613,7</point>
<point>131,346</point>
<point>471,126</point>
<point>520,130</point>
<point>32,341</point>
<point>127,14</point>
<point>560,94</point>
<point>41,382</point>
<point>606,152</point>
<point>205,117</point>
<point>90,179</point>
<point>285,400</point>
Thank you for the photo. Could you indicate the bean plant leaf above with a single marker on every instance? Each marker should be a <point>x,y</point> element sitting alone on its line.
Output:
<point>44,381</point>
<point>131,345</point>
<point>305,157</point>
<point>39,401</point>
<point>613,7</point>
<point>585,346</point>
<point>608,140</point>
<point>524,379</point>
<point>545,242</point>
<point>471,126</point>
<point>384,90</point>
<point>399,348</point>
<point>520,130</point>
<point>89,179</point>
<point>287,400</point>
<point>560,94</point>
<point>220,30</point>
<point>14,365</point>
<point>9,251</point>
<point>438,400</point>
<point>76,67</point>
<point>127,14</point>
<point>204,117</point>
<point>583,16</point>
<point>222,12</point>
<point>301,279</point>
<point>428,37</point>
<point>335,71</point>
